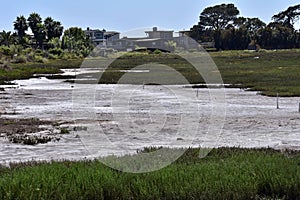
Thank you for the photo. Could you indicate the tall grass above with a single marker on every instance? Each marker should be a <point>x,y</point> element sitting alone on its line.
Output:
<point>226,173</point>
<point>269,72</point>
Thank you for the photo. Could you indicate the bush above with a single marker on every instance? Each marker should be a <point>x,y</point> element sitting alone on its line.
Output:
<point>53,57</point>
<point>31,57</point>
<point>64,131</point>
<point>39,52</point>
<point>56,51</point>
<point>85,52</point>
<point>157,51</point>
<point>40,59</point>
<point>67,56</point>
<point>5,51</point>
<point>27,51</point>
<point>20,59</point>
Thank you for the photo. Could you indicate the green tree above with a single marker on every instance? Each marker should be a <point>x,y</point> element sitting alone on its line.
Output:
<point>217,18</point>
<point>68,43</point>
<point>75,40</point>
<point>76,33</point>
<point>36,26</point>
<point>21,26</point>
<point>55,43</point>
<point>33,20</point>
<point>54,29</point>
<point>7,38</point>
<point>40,35</point>
<point>288,17</point>
<point>252,25</point>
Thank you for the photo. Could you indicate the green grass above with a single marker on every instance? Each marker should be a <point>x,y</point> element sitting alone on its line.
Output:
<point>273,72</point>
<point>224,174</point>
<point>269,72</point>
<point>27,70</point>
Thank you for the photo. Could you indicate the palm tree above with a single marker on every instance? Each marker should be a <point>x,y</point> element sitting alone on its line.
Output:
<point>20,25</point>
<point>6,38</point>
<point>54,29</point>
<point>35,22</point>
<point>49,26</point>
<point>58,29</point>
<point>40,35</point>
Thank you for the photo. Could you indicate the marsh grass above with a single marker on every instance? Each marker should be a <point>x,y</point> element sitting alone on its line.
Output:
<point>269,72</point>
<point>27,70</point>
<point>226,173</point>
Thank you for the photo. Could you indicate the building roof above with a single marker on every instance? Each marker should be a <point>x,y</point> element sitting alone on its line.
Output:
<point>159,31</point>
<point>109,33</point>
<point>155,29</point>
<point>94,30</point>
<point>148,40</point>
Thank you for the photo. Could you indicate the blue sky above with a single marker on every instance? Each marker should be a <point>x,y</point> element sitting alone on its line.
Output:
<point>125,15</point>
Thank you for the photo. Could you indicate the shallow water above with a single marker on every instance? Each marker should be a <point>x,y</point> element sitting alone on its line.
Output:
<point>123,118</point>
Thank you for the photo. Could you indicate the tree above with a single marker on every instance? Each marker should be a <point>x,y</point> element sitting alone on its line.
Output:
<point>76,33</point>
<point>283,30</point>
<point>6,38</point>
<point>21,26</point>
<point>217,18</point>
<point>68,43</point>
<point>54,29</point>
<point>40,35</point>
<point>36,26</point>
<point>75,40</point>
<point>252,25</point>
<point>288,17</point>
<point>55,43</point>
<point>33,20</point>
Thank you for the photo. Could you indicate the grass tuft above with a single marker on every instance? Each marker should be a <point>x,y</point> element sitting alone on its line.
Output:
<point>226,173</point>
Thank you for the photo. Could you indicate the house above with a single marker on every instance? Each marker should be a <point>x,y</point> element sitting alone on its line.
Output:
<point>155,39</point>
<point>110,37</point>
<point>96,36</point>
<point>124,44</point>
<point>102,37</point>
<point>156,34</point>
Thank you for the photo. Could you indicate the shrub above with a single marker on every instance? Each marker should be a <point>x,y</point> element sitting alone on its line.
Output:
<point>5,51</point>
<point>85,52</point>
<point>64,131</point>
<point>27,51</point>
<point>31,57</point>
<point>40,59</point>
<point>53,57</point>
<point>56,51</point>
<point>20,59</point>
<point>67,56</point>
<point>157,51</point>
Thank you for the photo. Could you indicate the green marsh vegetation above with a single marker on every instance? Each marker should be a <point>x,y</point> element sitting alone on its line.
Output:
<point>269,72</point>
<point>226,173</point>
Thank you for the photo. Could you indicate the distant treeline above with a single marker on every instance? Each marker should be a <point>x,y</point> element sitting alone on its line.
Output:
<point>221,24</point>
<point>48,40</point>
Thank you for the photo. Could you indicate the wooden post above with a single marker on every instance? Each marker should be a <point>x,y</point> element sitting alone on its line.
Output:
<point>143,85</point>
<point>277,101</point>
<point>197,92</point>
<point>299,107</point>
